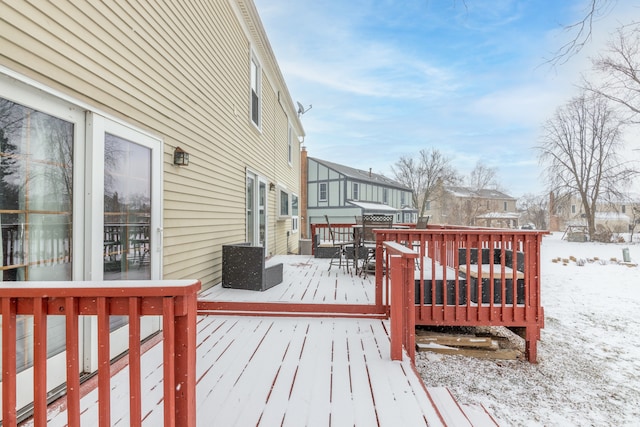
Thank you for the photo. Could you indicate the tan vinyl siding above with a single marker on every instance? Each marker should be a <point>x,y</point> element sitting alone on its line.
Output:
<point>180,70</point>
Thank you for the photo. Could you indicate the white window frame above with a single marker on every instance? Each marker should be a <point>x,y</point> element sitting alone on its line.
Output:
<point>385,196</point>
<point>355,191</point>
<point>30,94</point>
<point>258,181</point>
<point>99,126</point>
<point>282,191</point>
<point>255,86</point>
<point>322,185</point>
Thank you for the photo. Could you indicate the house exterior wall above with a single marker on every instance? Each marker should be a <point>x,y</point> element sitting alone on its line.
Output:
<point>179,70</point>
<point>449,208</point>
<point>614,217</point>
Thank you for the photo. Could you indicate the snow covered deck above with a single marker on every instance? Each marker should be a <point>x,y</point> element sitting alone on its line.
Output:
<point>257,371</point>
<point>271,369</point>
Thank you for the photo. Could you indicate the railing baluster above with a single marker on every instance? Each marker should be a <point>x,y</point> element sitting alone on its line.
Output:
<point>40,362</point>
<point>73,364</point>
<point>135,377</point>
<point>104,365</point>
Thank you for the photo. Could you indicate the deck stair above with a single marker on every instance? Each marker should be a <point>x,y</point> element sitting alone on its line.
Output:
<point>456,414</point>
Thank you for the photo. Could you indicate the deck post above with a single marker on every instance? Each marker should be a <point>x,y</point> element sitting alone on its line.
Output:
<point>185,362</point>
<point>401,264</point>
<point>397,313</point>
<point>9,384</point>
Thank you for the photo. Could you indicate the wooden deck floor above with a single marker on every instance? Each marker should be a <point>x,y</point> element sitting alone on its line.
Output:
<point>302,371</point>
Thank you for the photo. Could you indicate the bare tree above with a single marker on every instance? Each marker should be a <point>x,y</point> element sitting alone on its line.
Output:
<point>580,148</point>
<point>581,30</point>
<point>423,174</point>
<point>619,69</point>
<point>534,209</point>
<point>483,177</point>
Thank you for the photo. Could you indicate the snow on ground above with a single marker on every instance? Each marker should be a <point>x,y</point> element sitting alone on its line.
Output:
<point>589,354</point>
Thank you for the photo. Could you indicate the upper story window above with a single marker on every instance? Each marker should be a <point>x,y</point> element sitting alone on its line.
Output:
<point>506,206</point>
<point>290,144</point>
<point>322,192</point>
<point>624,209</point>
<point>573,209</point>
<point>403,200</point>
<point>428,205</point>
<point>356,191</point>
<point>385,196</point>
<point>255,92</point>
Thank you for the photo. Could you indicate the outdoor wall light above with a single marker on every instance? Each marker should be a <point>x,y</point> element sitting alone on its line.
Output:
<point>180,157</point>
<point>272,186</point>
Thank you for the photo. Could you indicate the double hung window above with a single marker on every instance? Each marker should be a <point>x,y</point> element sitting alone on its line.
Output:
<point>322,192</point>
<point>255,92</point>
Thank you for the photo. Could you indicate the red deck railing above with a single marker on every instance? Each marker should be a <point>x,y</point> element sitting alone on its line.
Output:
<point>471,277</point>
<point>174,300</point>
<point>466,276</point>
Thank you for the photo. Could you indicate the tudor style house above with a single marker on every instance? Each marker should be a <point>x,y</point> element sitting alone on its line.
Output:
<point>135,141</point>
<point>343,193</point>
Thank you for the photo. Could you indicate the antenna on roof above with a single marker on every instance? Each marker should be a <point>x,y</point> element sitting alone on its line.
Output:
<point>302,110</point>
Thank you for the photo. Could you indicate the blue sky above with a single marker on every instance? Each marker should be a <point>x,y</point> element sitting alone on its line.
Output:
<point>387,78</point>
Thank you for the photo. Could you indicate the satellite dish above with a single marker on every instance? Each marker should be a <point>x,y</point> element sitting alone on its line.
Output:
<point>301,109</point>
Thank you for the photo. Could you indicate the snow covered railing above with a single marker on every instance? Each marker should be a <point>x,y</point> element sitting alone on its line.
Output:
<point>401,264</point>
<point>471,277</point>
<point>174,300</point>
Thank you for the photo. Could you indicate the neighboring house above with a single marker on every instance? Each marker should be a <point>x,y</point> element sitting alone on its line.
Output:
<point>616,217</point>
<point>96,101</point>
<point>455,205</point>
<point>343,193</point>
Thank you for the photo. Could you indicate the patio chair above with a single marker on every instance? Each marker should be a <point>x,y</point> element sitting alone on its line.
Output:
<point>422,222</point>
<point>369,223</point>
<point>338,241</point>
